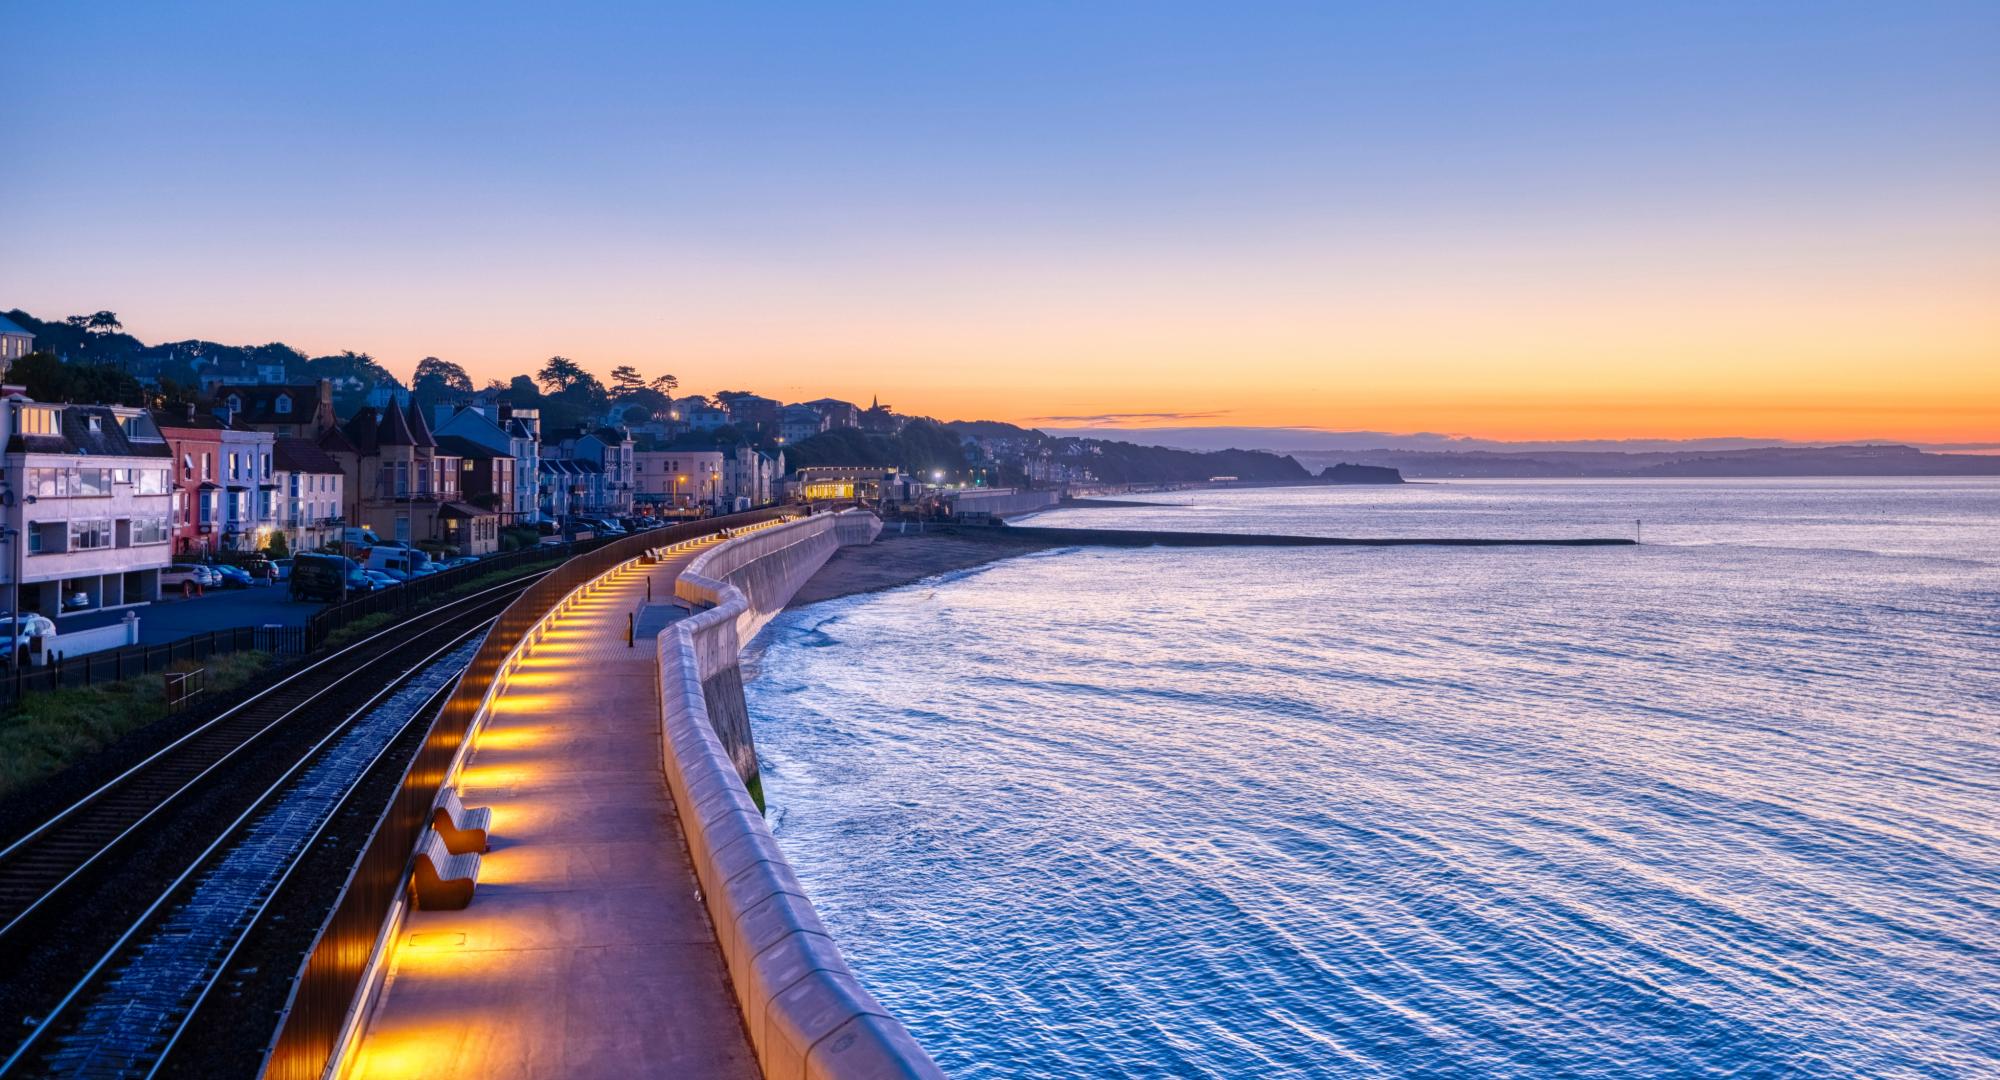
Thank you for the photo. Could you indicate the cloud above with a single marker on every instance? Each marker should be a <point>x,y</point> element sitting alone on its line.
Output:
<point>1119,418</point>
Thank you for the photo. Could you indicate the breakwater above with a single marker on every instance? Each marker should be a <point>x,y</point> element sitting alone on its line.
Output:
<point>1167,538</point>
<point>806,1014</point>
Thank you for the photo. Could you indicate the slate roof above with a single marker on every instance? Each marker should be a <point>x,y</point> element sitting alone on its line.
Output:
<point>460,446</point>
<point>363,430</point>
<point>260,403</point>
<point>420,429</point>
<point>299,455</point>
<point>9,326</point>
<point>394,429</point>
<point>77,438</point>
<point>168,418</point>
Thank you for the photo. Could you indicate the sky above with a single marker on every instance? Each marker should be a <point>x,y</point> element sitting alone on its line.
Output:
<point>1505,220</point>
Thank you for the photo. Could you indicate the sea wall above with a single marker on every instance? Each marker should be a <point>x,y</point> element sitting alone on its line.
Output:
<point>1002,503</point>
<point>807,1015</point>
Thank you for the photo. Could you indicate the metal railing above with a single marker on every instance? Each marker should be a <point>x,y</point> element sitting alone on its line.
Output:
<point>131,661</point>
<point>317,1015</point>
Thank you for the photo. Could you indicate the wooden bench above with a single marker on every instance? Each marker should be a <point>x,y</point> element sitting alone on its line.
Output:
<point>463,827</point>
<point>443,881</point>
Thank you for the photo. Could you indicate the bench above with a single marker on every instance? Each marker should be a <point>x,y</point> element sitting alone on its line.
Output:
<point>462,827</point>
<point>443,881</point>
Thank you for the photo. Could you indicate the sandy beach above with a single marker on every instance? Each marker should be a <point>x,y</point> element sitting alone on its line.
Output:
<point>898,559</point>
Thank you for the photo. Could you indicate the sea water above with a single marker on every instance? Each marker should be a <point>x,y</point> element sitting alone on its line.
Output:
<point>1726,803</point>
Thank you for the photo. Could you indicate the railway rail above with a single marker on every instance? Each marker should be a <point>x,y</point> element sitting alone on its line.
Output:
<point>138,809</point>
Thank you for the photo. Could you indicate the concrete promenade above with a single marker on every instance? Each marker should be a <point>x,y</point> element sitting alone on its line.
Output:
<point>586,951</point>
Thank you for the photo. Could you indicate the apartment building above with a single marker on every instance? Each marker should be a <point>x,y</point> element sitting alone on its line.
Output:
<point>676,479</point>
<point>87,496</point>
<point>194,442</point>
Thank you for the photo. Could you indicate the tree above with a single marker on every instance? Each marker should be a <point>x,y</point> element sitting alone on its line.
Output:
<point>665,384</point>
<point>434,378</point>
<point>522,391</point>
<point>625,379</point>
<point>560,373</point>
<point>277,547</point>
<point>48,379</point>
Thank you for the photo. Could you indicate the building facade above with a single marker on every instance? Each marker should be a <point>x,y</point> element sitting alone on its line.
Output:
<point>194,443</point>
<point>310,494</point>
<point>677,479</point>
<point>88,500</point>
<point>15,342</point>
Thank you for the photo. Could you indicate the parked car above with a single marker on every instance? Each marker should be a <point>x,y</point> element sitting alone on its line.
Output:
<point>76,601</point>
<point>233,577</point>
<point>548,528</point>
<point>401,562</point>
<point>462,560</point>
<point>283,568</point>
<point>184,577</point>
<point>382,578</point>
<point>32,626</point>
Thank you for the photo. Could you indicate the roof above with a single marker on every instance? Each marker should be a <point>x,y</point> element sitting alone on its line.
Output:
<point>420,429</point>
<point>363,430</point>
<point>77,437</point>
<point>166,419</point>
<point>260,403</point>
<point>9,326</point>
<point>394,429</point>
<point>299,455</point>
<point>460,446</point>
<point>462,510</point>
<point>335,441</point>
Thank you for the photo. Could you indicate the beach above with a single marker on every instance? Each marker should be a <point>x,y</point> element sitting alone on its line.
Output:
<point>900,558</point>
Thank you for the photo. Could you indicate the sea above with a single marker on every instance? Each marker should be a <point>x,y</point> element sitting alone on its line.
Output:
<point>1726,803</point>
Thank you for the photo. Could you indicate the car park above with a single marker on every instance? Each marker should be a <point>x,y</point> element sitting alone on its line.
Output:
<point>382,579</point>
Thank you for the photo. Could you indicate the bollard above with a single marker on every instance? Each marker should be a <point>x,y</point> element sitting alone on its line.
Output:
<point>631,629</point>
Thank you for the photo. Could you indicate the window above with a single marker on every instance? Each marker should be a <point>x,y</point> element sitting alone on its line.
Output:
<point>207,466</point>
<point>95,422</point>
<point>49,483</point>
<point>235,466</point>
<point>181,507</point>
<point>150,530</point>
<point>34,538</point>
<point>88,534</point>
<point>187,466</point>
<point>266,466</point>
<point>283,403</point>
<point>152,481</point>
<point>91,482</point>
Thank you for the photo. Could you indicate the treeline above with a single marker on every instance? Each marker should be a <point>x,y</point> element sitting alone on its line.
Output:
<point>922,447</point>
<point>1130,463</point>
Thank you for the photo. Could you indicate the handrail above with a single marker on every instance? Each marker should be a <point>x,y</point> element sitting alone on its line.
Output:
<point>331,974</point>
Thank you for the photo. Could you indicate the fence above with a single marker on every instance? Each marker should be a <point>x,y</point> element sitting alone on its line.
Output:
<point>131,661</point>
<point>424,591</point>
<point>325,989</point>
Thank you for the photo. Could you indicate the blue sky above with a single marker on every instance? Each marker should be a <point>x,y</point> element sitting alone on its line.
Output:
<point>916,197</point>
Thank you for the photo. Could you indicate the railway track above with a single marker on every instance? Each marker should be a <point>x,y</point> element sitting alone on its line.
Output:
<point>62,938</point>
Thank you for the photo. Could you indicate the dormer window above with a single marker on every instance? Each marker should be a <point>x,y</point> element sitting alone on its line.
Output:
<point>235,403</point>
<point>283,403</point>
<point>96,423</point>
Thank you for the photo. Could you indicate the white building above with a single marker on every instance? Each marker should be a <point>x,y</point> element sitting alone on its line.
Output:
<point>677,479</point>
<point>14,343</point>
<point>86,496</point>
<point>310,489</point>
<point>750,477</point>
<point>248,477</point>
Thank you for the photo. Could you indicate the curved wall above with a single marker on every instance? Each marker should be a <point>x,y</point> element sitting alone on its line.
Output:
<point>806,1014</point>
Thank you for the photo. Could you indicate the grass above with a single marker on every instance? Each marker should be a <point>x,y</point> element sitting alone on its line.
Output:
<point>51,730</point>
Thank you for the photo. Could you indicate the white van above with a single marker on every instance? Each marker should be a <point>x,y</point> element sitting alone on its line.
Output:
<point>401,563</point>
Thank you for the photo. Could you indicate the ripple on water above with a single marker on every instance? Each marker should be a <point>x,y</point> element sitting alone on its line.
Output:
<point>1724,804</point>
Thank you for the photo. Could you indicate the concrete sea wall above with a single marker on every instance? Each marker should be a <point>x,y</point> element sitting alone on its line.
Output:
<point>806,1014</point>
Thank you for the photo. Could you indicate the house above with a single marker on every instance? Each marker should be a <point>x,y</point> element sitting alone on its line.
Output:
<point>677,479</point>
<point>485,479</point>
<point>87,504</point>
<point>302,411</point>
<point>247,475</point>
<point>15,343</point>
<point>751,412</point>
<point>698,414</point>
<point>398,483</point>
<point>310,496</point>
<point>836,413</point>
<point>797,423</point>
<point>567,487</point>
<point>194,443</point>
<point>608,452</point>
<point>500,429</point>
<point>750,477</point>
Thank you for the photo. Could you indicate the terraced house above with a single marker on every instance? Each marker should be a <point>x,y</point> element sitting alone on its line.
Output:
<point>402,486</point>
<point>87,495</point>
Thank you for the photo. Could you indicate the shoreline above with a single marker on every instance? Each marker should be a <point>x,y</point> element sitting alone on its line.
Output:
<point>897,559</point>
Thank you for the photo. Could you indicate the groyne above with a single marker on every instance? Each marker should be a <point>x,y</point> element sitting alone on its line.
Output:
<point>1032,534</point>
<point>806,1014</point>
